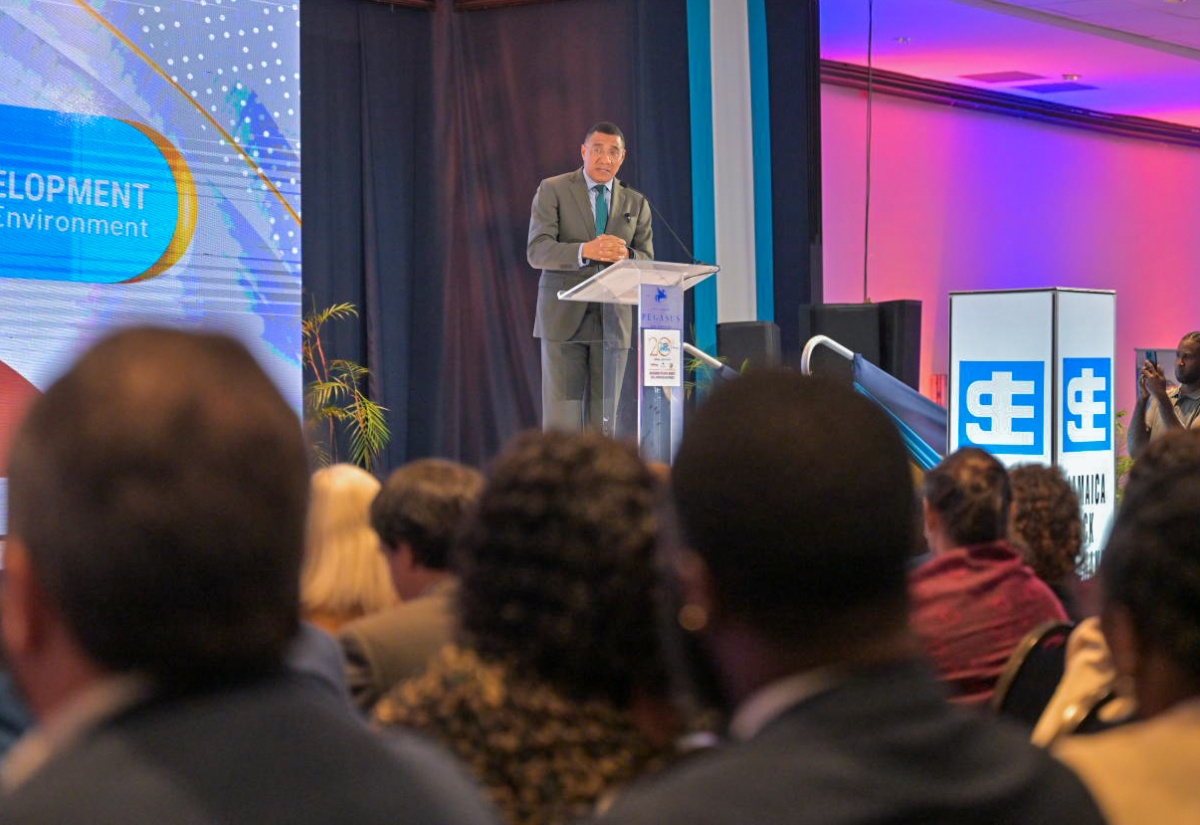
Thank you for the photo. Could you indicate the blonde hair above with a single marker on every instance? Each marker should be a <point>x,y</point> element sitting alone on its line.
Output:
<point>345,574</point>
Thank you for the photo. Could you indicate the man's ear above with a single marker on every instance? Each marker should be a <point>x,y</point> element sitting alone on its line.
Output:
<point>403,557</point>
<point>400,561</point>
<point>22,611</point>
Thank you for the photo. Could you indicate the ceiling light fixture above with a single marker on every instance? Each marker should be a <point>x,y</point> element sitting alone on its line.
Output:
<point>903,39</point>
<point>1072,77</point>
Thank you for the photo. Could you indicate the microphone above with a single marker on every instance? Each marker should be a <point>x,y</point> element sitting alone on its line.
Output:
<point>628,217</point>
<point>659,216</point>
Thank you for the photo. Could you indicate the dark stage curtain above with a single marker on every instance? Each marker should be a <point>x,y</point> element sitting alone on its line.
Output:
<point>425,135</point>
<point>367,176</point>
<point>793,49</point>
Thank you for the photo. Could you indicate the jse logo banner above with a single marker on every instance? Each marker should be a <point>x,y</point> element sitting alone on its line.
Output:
<point>1002,406</point>
<point>1087,404</point>
<point>90,199</point>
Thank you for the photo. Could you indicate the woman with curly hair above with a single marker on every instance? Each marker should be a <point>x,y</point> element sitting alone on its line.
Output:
<point>558,657</point>
<point>1047,526</point>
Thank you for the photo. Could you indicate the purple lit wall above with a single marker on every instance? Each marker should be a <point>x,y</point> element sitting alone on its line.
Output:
<point>962,200</point>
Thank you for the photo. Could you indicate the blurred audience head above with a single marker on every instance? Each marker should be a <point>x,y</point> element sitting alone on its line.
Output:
<point>794,497</point>
<point>417,515</point>
<point>1150,574</point>
<point>967,499</point>
<point>157,494</point>
<point>1179,455</point>
<point>344,575</point>
<point>557,569</point>
<point>1046,523</point>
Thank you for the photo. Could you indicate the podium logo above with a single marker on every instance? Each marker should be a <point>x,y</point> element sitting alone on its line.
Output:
<point>659,346</point>
<point>1087,404</point>
<point>1002,406</point>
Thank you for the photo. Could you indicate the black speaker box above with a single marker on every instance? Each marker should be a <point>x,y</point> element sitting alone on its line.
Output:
<point>744,344</point>
<point>887,334</point>
<point>900,340</point>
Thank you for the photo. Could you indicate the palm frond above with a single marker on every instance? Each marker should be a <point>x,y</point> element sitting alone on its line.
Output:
<point>320,453</point>
<point>314,319</point>
<point>335,401</point>
<point>348,370</point>
<point>371,434</point>
<point>321,394</point>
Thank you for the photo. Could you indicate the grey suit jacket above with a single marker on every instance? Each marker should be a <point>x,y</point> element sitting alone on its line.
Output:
<point>265,751</point>
<point>386,648</point>
<point>882,747</point>
<point>559,223</point>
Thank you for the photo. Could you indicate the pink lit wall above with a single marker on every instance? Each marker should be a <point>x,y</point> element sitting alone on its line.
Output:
<point>962,200</point>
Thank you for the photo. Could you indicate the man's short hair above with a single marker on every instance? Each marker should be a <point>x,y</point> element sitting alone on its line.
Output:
<point>160,487</point>
<point>605,128</point>
<point>1151,564</point>
<point>971,493</point>
<point>1193,336</point>
<point>797,494</point>
<point>423,504</point>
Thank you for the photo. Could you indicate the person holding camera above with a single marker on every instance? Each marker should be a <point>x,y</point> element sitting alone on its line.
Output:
<point>1175,408</point>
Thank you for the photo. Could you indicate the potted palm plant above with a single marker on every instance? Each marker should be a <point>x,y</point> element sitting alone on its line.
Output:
<point>335,401</point>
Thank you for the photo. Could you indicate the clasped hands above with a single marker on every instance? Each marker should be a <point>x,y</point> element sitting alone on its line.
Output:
<point>607,248</point>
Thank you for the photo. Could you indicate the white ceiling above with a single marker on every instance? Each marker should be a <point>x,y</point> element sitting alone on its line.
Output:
<point>1166,23</point>
<point>1140,57</point>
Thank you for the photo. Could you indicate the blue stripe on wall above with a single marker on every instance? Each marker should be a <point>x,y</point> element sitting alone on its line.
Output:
<point>760,109</point>
<point>704,221</point>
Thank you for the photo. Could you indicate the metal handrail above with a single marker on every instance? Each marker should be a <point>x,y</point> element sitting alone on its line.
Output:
<point>700,354</point>
<point>817,341</point>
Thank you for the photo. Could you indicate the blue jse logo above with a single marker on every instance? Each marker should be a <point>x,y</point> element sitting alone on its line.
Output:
<point>1087,404</point>
<point>1002,406</point>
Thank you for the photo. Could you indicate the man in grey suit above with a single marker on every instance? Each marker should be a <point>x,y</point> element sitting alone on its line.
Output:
<point>416,514</point>
<point>580,223</point>
<point>794,580</point>
<point>157,496</point>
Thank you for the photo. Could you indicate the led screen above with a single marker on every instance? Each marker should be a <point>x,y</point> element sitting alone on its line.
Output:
<point>149,172</point>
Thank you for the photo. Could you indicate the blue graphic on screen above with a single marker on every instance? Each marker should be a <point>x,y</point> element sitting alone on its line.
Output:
<point>1087,404</point>
<point>149,173</point>
<point>88,198</point>
<point>1002,406</point>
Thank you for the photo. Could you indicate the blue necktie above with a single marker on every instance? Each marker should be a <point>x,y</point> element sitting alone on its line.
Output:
<point>601,209</point>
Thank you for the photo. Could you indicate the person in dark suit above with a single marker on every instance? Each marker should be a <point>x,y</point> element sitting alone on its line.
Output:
<point>793,572</point>
<point>580,223</point>
<point>157,496</point>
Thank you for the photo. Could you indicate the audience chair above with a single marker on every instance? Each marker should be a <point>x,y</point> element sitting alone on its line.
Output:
<point>1032,674</point>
